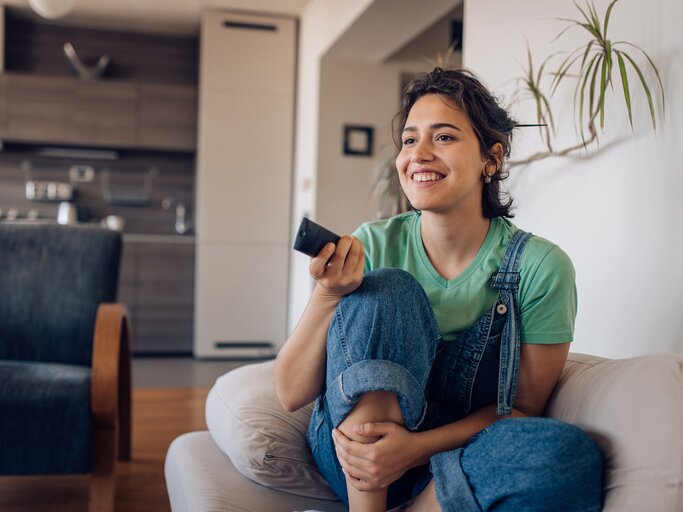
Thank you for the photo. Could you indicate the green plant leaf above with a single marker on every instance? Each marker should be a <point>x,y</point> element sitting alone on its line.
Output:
<point>549,111</point>
<point>607,15</point>
<point>652,65</point>
<point>594,16</point>
<point>610,63</point>
<point>573,23</point>
<point>585,53</point>
<point>592,112</point>
<point>564,68</point>
<point>603,85</point>
<point>586,17</point>
<point>646,88</point>
<point>595,58</point>
<point>624,83</point>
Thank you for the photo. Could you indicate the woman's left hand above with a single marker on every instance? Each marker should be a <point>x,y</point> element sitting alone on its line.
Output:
<point>374,466</point>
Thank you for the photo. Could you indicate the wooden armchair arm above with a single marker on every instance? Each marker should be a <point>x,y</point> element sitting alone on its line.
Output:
<point>110,387</point>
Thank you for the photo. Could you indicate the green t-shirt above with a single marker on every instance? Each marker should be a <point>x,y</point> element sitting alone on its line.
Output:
<point>547,291</point>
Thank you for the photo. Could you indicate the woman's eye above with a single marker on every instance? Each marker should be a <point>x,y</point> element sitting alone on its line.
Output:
<point>443,137</point>
<point>408,141</point>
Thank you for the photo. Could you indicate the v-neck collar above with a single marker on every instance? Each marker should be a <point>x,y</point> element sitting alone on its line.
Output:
<point>485,248</point>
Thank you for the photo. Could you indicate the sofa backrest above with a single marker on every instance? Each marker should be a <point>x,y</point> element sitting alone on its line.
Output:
<point>52,279</point>
<point>633,409</point>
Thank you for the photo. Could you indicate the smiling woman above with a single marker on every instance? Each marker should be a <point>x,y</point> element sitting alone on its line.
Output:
<point>434,325</point>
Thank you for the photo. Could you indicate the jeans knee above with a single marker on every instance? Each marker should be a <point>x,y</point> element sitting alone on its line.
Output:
<point>390,284</point>
<point>388,317</point>
<point>547,465</point>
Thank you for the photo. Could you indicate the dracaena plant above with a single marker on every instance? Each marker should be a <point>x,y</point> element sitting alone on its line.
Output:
<point>593,66</point>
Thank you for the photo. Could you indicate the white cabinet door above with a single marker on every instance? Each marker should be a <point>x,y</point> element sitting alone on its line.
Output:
<point>248,53</point>
<point>244,175</point>
<point>244,190</point>
<point>242,309</point>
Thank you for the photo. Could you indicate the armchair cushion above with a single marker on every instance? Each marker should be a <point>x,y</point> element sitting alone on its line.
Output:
<point>45,422</point>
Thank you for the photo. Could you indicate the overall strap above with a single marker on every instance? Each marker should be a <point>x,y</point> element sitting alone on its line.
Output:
<point>507,277</point>
<point>506,280</point>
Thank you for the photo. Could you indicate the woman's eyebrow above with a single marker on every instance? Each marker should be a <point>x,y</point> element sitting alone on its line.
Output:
<point>434,126</point>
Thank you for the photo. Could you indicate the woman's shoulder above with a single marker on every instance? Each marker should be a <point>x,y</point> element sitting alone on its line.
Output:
<point>539,252</point>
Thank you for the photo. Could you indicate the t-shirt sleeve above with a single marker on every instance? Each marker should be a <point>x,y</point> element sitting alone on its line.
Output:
<point>548,299</point>
<point>362,233</point>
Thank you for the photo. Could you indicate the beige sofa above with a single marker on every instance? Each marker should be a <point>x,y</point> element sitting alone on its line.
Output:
<point>633,408</point>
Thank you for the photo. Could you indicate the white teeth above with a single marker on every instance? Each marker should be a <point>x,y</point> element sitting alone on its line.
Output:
<point>426,176</point>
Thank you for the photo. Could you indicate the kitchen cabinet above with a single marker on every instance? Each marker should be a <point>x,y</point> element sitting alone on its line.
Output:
<point>60,110</point>
<point>156,283</point>
<point>105,113</point>
<point>167,117</point>
<point>244,183</point>
<point>40,110</point>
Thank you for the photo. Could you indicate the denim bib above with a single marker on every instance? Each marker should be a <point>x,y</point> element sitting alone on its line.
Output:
<point>480,366</point>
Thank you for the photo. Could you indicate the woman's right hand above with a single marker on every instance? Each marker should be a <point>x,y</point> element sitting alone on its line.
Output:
<point>338,269</point>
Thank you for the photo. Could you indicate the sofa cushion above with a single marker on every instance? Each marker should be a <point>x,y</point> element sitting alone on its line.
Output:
<point>45,422</point>
<point>633,408</point>
<point>200,478</point>
<point>264,442</point>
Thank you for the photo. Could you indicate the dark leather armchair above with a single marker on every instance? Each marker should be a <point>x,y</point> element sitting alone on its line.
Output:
<point>64,355</point>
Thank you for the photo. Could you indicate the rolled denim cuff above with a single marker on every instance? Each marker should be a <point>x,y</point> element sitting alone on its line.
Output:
<point>377,375</point>
<point>453,491</point>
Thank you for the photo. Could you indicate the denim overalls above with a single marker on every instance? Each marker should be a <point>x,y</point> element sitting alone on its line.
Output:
<point>384,336</point>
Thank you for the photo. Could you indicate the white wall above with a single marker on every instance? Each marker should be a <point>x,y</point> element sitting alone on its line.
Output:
<point>616,214</point>
<point>321,24</point>
<point>354,93</point>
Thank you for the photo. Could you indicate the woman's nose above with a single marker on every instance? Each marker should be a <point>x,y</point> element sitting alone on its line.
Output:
<point>422,151</point>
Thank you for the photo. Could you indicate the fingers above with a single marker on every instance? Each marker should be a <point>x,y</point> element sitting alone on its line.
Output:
<point>318,264</point>
<point>339,268</point>
<point>374,429</point>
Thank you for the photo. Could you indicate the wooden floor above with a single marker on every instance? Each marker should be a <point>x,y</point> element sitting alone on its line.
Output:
<point>159,416</point>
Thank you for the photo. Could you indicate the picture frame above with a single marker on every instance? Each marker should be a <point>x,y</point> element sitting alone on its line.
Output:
<point>358,140</point>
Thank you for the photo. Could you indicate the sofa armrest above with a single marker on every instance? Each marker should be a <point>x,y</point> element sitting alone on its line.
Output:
<point>110,387</point>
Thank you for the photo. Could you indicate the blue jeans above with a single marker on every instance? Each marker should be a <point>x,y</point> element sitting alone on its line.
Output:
<point>384,337</point>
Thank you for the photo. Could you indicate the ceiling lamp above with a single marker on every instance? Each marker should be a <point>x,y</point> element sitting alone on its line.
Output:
<point>52,9</point>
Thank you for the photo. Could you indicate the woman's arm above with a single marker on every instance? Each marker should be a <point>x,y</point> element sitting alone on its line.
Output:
<point>300,364</point>
<point>377,465</point>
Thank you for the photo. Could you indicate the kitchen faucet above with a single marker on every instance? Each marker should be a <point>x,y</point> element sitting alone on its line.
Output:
<point>182,225</point>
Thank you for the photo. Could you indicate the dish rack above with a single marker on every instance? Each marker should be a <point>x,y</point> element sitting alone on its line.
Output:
<point>128,186</point>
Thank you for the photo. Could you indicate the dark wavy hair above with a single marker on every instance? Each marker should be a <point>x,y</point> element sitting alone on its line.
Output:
<point>491,124</point>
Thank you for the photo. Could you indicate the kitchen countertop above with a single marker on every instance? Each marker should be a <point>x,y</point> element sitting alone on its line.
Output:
<point>156,238</point>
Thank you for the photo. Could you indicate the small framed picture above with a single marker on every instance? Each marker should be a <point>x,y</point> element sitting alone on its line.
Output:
<point>358,140</point>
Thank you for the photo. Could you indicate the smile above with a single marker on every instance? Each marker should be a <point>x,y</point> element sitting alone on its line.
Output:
<point>426,176</point>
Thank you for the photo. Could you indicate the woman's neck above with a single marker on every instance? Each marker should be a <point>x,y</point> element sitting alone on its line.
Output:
<point>452,241</point>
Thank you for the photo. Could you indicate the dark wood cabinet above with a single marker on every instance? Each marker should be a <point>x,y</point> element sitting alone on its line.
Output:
<point>105,113</point>
<point>167,117</point>
<point>157,285</point>
<point>60,110</point>
<point>40,110</point>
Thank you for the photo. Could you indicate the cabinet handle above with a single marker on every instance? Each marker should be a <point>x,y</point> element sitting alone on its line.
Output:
<point>250,26</point>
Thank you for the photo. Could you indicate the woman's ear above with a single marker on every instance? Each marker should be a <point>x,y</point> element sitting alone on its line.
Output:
<point>496,154</point>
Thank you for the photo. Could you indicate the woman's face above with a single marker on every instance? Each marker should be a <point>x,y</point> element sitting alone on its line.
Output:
<point>440,165</point>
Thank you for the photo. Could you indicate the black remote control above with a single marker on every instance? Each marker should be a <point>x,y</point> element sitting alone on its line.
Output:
<point>311,237</point>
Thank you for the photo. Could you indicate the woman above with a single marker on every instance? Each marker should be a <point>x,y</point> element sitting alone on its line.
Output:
<point>433,339</point>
